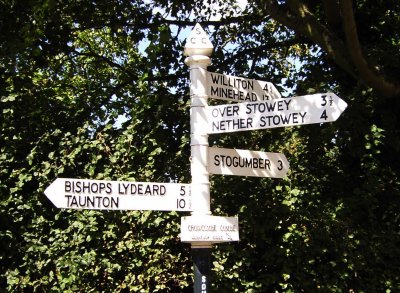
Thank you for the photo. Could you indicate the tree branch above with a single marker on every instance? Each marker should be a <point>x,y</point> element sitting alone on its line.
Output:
<point>302,21</point>
<point>368,74</point>
<point>244,53</point>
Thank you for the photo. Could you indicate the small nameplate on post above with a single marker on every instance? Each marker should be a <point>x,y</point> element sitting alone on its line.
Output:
<point>213,229</point>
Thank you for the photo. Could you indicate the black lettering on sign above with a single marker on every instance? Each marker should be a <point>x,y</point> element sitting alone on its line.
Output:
<point>242,162</point>
<point>141,189</point>
<point>215,78</point>
<point>203,284</point>
<point>180,203</point>
<point>92,202</point>
<point>325,102</point>
<point>230,110</point>
<point>233,94</point>
<point>255,163</point>
<point>266,97</point>
<point>323,97</point>
<point>87,187</point>
<point>280,119</point>
<point>232,124</point>
<point>267,87</point>
<point>182,191</point>
<point>215,91</point>
<point>232,81</point>
<point>202,228</point>
<point>268,164</point>
<point>268,106</point>
<point>227,228</point>
<point>67,186</point>
<point>280,167</point>
<point>216,160</point>
<point>323,115</point>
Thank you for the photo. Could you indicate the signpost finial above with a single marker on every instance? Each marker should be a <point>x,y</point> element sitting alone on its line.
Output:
<point>198,43</point>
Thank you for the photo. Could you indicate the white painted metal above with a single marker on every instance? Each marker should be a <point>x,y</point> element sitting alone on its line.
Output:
<point>208,229</point>
<point>199,136</point>
<point>198,43</point>
<point>239,89</point>
<point>246,163</point>
<point>198,119</point>
<point>119,195</point>
<point>198,47</point>
<point>317,108</point>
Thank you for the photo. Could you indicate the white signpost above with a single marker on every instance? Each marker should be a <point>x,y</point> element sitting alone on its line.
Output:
<point>198,47</point>
<point>209,228</point>
<point>261,107</point>
<point>119,195</point>
<point>239,89</point>
<point>246,163</point>
<point>317,108</point>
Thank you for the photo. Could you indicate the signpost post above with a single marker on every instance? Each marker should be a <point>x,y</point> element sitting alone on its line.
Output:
<point>198,48</point>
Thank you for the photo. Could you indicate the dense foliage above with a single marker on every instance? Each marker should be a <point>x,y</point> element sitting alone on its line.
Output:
<point>99,89</point>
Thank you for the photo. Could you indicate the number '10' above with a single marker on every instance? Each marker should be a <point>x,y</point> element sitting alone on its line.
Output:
<point>181,202</point>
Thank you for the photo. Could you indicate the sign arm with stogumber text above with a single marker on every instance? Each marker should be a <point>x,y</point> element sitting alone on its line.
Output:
<point>247,163</point>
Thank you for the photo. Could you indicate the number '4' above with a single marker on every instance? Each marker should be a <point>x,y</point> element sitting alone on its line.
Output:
<point>323,115</point>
